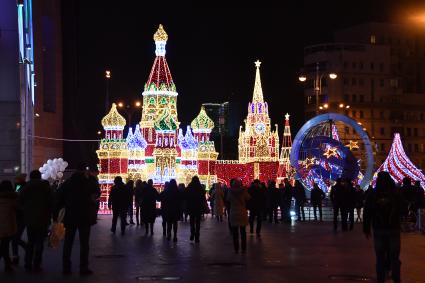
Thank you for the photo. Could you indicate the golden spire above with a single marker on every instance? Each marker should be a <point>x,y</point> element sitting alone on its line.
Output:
<point>113,120</point>
<point>160,34</point>
<point>258,91</point>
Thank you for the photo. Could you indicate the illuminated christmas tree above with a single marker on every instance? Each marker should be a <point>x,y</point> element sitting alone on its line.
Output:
<point>113,152</point>
<point>258,143</point>
<point>399,165</point>
<point>285,169</point>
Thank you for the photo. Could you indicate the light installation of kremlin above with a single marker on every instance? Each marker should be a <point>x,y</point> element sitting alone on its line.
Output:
<point>161,149</point>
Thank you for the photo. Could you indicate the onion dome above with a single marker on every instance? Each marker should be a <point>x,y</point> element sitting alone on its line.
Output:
<point>165,122</point>
<point>202,123</point>
<point>135,140</point>
<point>113,120</point>
<point>160,34</point>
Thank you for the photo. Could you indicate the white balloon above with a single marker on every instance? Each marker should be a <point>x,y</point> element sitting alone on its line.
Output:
<point>66,164</point>
<point>49,161</point>
<point>55,160</point>
<point>60,175</point>
<point>44,176</point>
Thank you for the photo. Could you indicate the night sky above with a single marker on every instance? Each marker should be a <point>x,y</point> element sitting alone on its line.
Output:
<point>211,50</point>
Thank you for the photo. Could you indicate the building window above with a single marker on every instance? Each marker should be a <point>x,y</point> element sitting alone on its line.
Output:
<point>354,98</point>
<point>346,81</point>
<point>347,130</point>
<point>382,131</point>
<point>346,97</point>
<point>415,132</point>
<point>382,115</point>
<point>361,98</point>
<point>422,116</point>
<point>409,147</point>
<point>353,81</point>
<point>382,146</point>
<point>345,65</point>
<point>408,132</point>
<point>381,67</point>
<point>372,39</point>
<point>361,114</point>
<point>372,66</point>
<point>361,81</point>
<point>416,147</point>
<point>394,83</point>
<point>381,83</point>
<point>361,65</point>
<point>354,113</point>
<point>354,65</point>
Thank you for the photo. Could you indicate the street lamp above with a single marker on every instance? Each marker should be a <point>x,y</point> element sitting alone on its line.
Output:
<point>107,77</point>
<point>318,84</point>
<point>129,111</point>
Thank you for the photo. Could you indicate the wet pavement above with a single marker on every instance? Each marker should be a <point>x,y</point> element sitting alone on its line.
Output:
<point>304,252</point>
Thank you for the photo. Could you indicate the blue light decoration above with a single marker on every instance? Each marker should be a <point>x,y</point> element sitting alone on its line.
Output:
<point>190,139</point>
<point>321,158</point>
<point>135,140</point>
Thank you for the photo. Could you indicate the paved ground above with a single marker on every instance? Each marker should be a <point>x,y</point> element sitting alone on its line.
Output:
<point>305,252</point>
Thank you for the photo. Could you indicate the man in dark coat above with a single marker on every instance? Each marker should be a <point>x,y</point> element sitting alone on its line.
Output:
<point>148,212</point>
<point>316,197</point>
<point>171,208</point>
<point>196,205</point>
<point>337,196</point>
<point>350,201</point>
<point>36,199</point>
<point>382,213</point>
<point>300,199</point>
<point>273,201</point>
<point>130,188</point>
<point>256,206</point>
<point>286,199</point>
<point>78,196</point>
<point>119,199</point>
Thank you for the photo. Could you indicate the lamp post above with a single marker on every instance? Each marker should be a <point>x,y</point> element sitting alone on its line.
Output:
<point>107,77</point>
<point>318,83</point>
<point>129,110</point>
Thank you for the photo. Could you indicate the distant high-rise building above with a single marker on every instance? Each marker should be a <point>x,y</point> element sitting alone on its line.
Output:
<point>30,84</point>
<point>380,83</point>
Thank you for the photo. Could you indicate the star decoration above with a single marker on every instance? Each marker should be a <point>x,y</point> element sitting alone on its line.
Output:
<point>257,63</point>
<point>352,145</point>
<point>310,162</point>
<point>331,151</point>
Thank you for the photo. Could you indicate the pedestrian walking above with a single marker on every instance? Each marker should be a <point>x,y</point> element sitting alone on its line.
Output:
<point>238,197</point>
<point>273,201</point>
<point>130,212</point>
<point>37,202</point>
<point>138,198</point>
<point>300,199</point>
<point>118,201</point>
<point>196,205</point>
<point>382,215</point>
<point>286,200</point>
<point>218,197</point>
<point>256,206</point>
<point>148,206</point>
<point>8,226</point>
<point>170,208</point>
<point>316,198</point>
<point>350,202</point>
<point>17,239</point>
<point>337,195</point>
<point>78,196</point>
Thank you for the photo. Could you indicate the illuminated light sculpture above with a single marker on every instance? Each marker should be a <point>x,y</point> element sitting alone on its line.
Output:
<point>136,161</point>
<point>352,145</point>
<point>285,169</point>
<point>399,165</point>
<point>257,143</point>
<point>202,126</point>
<point>113,152</point>
<point>319,139</point>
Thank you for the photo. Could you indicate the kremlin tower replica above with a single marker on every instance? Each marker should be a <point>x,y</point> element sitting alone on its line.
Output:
<point>159,149</point>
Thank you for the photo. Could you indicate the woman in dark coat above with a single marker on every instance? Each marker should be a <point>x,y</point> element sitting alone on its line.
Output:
<point>170,207</point>
<point>149,197</point>
<point>137,198</point>
<point>196,206</point>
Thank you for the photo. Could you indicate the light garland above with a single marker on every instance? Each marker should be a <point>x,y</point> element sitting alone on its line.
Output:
<point>399,165</point>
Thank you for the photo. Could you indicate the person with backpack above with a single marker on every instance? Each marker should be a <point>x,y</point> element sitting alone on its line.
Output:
<point>382,213</point>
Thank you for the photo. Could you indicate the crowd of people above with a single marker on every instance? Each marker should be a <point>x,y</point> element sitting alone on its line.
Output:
<point>33,205</point>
